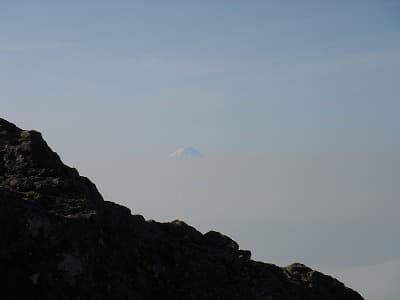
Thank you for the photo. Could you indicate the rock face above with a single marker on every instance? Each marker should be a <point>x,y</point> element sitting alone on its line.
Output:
<point>60,240</point>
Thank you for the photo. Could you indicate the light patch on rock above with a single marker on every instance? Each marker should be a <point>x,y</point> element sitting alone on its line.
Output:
<point>34,278</point>
<point>71,266</point>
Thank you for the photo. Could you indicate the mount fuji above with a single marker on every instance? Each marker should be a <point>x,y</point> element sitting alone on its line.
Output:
<point>186,153</point>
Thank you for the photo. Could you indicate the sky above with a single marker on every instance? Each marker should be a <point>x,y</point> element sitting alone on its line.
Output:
<point>293,105</point>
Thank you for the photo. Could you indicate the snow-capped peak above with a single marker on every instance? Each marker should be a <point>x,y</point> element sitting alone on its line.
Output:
<point>186,153</point>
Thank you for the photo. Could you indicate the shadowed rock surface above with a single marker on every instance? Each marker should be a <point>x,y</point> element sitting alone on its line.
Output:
<point>60,240</point>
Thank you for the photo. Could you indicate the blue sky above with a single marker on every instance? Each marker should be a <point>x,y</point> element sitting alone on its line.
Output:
<point>218,75</point>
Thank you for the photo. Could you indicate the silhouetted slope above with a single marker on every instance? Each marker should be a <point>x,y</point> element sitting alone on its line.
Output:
<point>60,240</point>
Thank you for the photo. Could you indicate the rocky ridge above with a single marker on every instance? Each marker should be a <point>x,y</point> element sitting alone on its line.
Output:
<point>59,239</point>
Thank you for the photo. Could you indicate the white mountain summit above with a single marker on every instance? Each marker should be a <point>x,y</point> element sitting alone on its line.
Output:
<point>186,153</point>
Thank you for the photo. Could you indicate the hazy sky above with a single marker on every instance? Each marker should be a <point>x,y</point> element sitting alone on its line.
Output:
<point>295,105</point>
<point>218,75</point>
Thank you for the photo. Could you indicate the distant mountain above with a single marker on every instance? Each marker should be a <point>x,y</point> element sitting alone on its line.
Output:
<point>186,153</point>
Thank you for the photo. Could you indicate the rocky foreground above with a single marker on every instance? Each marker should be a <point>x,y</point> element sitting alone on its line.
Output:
<point>60,240</point>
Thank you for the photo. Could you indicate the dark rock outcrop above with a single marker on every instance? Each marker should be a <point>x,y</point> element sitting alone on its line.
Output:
<point>60,240</point>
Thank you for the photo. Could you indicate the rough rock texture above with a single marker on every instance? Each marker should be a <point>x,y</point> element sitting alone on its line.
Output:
<point>60,240</point>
